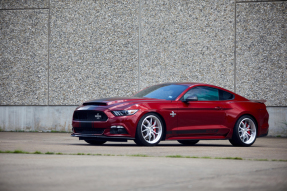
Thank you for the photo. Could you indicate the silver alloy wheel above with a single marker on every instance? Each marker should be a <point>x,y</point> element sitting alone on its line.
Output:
<point>247,131</point>
<point>151,129</point>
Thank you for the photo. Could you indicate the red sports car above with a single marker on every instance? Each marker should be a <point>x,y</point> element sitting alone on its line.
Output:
<point>186,112</point>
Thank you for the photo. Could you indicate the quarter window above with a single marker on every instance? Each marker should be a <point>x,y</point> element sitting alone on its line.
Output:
<point>203,93</point>
<point>223,95</point>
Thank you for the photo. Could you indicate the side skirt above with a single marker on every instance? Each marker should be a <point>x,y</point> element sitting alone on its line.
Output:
<point>198,138</point>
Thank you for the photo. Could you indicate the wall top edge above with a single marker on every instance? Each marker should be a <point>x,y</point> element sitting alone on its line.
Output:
<point>258,1</point>
<point>22,9</point>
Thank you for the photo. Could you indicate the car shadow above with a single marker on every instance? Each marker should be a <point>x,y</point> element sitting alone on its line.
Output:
<point>159,145</point>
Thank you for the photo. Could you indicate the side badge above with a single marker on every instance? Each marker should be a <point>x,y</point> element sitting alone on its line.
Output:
<point>172,114</point>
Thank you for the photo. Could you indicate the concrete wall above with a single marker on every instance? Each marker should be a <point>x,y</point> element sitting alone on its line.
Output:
<point>277,121</point>
<point>59,118</point>
<point>61,53</point>
<point>36,118</point>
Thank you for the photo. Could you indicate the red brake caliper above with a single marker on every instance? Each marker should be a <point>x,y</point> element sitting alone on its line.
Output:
<point>248,127</point>
<point>154,129</point>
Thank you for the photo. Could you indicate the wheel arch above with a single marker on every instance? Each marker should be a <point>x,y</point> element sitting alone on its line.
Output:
<point>162,119</point>
<point>236,139</point>
<point>164,125</point>
<point>250,115</point>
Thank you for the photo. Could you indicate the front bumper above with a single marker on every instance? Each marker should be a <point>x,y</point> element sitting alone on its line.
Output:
<point>110,128</point>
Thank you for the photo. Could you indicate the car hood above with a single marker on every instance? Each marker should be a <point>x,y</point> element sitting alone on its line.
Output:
<point>119,101</point>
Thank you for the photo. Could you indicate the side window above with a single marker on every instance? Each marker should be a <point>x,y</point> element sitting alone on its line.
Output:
<point>203,93</point>
<point>223,95</point>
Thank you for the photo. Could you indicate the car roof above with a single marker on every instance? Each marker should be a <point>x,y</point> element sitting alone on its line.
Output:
<point>186,83</point>
<point>189,84</point>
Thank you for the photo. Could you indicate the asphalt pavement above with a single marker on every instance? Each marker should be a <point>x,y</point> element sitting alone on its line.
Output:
<point>126,166</point>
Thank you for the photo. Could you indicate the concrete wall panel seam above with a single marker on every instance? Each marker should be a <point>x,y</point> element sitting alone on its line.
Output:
<point>139,44</point>
<point>235,48</point>
<point>49,36</point>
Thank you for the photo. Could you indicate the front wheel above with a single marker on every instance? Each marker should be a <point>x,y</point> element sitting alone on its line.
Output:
<point>245,132</point>
<point>149,130</point>
<point>93,142</point>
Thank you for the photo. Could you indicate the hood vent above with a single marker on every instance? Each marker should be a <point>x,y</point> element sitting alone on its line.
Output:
<point>95,103</point>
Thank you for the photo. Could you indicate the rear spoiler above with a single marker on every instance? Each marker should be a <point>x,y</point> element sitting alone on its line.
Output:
<point>258,100</point>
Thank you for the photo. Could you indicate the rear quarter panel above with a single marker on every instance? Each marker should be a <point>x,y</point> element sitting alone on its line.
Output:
<point>236,109</point>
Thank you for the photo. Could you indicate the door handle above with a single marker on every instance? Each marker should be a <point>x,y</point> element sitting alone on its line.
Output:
<point>217,107</point>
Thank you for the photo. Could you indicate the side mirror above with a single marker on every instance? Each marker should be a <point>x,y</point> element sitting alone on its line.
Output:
<point>191,98</point>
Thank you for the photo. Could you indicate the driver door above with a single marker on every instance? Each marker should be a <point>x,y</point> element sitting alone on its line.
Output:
<point>204,117</point>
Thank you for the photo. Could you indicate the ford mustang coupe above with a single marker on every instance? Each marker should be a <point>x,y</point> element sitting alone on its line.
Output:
<point>186,112</point>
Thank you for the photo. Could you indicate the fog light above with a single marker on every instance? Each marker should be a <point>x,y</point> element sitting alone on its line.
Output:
<point>117,127</point>
<point>118,130</point>
<point>122,131</point>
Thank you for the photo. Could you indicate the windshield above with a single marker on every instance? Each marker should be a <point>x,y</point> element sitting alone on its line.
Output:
<point>162,91</point>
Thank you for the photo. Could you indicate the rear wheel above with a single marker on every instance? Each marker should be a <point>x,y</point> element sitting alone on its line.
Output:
<point>93,142</point>
<point>149,130</point>
<point>245,132</point>
<point>188,142</point>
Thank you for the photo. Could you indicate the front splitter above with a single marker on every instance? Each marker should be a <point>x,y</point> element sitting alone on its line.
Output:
<point>101,137</point>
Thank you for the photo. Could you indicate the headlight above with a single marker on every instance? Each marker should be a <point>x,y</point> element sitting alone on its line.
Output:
<point>124,112</point>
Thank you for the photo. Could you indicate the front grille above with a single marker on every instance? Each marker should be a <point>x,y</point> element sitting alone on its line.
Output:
<point>89,115</point>
<point>89,130</point>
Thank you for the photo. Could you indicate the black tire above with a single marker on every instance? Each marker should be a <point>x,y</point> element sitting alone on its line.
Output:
<point>138,142</point>
<point>188,142</point>
<point>244,132</point>
<point>93,142</point>
<point>149,135</point>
